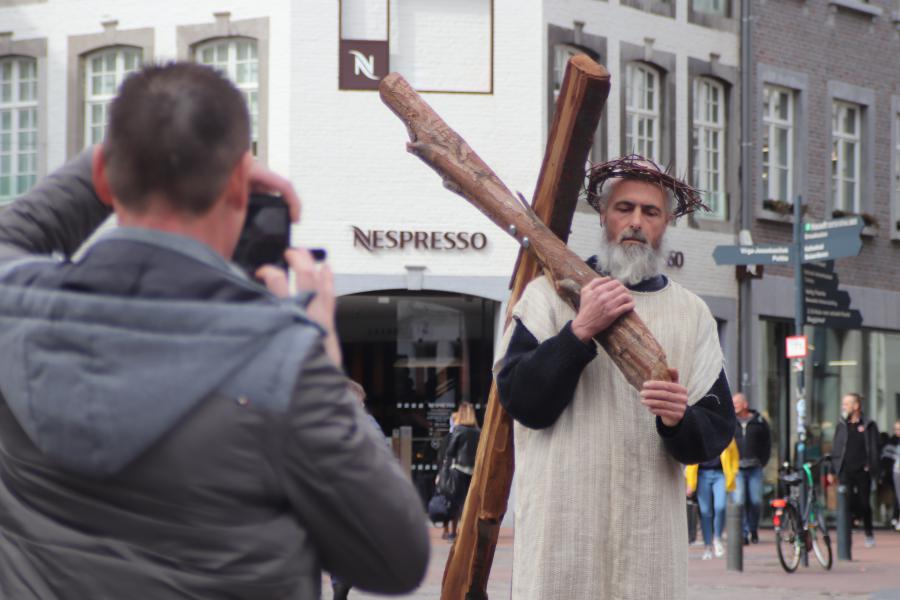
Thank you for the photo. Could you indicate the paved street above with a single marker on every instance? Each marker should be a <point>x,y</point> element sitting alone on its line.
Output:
<point>874,574</point>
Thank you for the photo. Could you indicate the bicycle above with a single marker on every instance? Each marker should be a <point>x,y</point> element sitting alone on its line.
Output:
<point>798,532</point>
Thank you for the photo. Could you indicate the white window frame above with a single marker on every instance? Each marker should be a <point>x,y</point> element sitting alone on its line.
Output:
<point>772,124</point>
<point>230,67</point>
<point>96,104</point>
<point>561,55</point>
<point>643,113</point>
<point>709,144</point>
<point>839,154</point>
<point>19,133</point>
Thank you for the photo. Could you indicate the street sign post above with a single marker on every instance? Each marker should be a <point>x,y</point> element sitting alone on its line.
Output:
<point>818,301</point>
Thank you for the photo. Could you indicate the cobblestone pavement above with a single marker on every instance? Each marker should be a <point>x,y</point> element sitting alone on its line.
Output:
<point>874,574</point>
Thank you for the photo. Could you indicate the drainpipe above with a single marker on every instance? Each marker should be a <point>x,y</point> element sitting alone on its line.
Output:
<point>746,322</point>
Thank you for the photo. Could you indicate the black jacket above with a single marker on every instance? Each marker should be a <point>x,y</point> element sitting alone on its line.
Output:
<point>158,441</point>
<point>754,441</point>
<point>463,445</point>
<point>840,443</point>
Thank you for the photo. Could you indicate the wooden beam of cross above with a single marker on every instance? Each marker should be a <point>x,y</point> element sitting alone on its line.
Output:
<point>629,343</point>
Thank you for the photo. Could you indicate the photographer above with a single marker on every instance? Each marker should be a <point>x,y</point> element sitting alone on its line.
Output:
<point>168,427</point>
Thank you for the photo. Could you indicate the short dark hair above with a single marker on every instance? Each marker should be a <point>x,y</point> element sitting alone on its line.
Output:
<point>176,129</point>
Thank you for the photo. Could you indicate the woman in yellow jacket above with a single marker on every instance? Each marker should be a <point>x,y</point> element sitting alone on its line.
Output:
<point>712,480</point>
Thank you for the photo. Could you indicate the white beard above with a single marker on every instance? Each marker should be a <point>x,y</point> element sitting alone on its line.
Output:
<point>629,263</point>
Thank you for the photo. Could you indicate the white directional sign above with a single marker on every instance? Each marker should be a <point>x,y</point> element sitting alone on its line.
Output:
<point>759,254</point>
<point>795,346</point>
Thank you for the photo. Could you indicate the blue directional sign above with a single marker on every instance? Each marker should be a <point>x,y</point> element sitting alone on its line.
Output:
<point>825,304</point>
<point>837,238</point>
<point>827,240</point>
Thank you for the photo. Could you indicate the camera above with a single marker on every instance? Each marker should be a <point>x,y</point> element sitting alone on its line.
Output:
<point>266,234</point>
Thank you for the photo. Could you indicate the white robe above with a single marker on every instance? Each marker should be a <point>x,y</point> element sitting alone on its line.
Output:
<point>600,504</point>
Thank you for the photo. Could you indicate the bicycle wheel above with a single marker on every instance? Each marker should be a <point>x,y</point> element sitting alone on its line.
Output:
<point>788,539</point>
<point>821,541</point>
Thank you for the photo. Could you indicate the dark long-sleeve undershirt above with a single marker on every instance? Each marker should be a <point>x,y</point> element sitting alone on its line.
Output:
<point>538,380</point>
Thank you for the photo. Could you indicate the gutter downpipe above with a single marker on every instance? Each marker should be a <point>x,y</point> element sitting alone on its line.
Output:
<point>746,323</point>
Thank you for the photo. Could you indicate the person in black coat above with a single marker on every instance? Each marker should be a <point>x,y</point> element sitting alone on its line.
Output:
<point>854,458</point>
<point>754,442</point>
<point>461,452</point>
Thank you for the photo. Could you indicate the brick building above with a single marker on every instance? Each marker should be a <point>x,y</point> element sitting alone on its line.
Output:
<point>825,119</point>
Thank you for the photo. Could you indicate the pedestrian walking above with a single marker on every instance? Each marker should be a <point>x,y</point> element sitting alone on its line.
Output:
<point>460,457</point>
<point>712,480</point>
<point>854,457</point>
<point>754,442</point>
<point>890,455</point>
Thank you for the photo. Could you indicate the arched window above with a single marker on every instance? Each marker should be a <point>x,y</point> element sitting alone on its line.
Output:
<point>18,125</point>
<point>561,55</point>
<point>104,71</point>
<point>708,144</point>
<point>642,111</point>
<point>236,57</point>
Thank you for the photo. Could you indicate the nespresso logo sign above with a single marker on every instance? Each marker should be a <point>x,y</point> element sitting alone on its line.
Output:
<point>400,239</point>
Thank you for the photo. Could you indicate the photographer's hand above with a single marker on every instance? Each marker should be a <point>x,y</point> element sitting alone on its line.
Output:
<point>265,181</point>
<point>310,277</point>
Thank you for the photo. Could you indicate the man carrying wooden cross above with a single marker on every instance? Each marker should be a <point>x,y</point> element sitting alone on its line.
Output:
<point>599,488</point>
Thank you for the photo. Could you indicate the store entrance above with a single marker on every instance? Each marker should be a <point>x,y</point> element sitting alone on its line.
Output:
<point>419,355</point>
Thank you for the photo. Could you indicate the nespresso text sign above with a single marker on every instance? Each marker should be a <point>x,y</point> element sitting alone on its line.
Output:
<point>400,239</point>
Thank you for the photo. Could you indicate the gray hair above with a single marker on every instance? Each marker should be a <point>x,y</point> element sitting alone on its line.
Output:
<point>606,191</point>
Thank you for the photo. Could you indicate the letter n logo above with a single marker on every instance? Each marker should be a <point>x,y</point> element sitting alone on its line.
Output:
<point>362,238</point>
<point>362,64</point>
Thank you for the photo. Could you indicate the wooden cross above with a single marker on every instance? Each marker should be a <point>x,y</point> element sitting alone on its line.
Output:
<point>542,232</point>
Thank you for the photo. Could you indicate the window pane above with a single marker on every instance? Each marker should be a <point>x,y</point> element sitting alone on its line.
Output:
<point>849,202</point>
<point>781,106</point>
<point>783,185</point>
<point>835,158</point>
<point>236,59</point>
<point>782,147</point>
<point>849,171</point>
<point>850,120</point>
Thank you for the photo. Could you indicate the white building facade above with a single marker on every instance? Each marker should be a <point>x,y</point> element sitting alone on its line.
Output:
<point>423,276</point>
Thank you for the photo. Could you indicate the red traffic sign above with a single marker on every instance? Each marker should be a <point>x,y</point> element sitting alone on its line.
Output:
<point>795,346</point>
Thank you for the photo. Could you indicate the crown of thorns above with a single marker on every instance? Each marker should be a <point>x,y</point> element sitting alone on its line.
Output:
<point>634,166</point>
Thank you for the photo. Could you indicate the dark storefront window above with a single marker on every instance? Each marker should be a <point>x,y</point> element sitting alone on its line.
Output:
<point>840,361</point>
<point>418,356</point>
